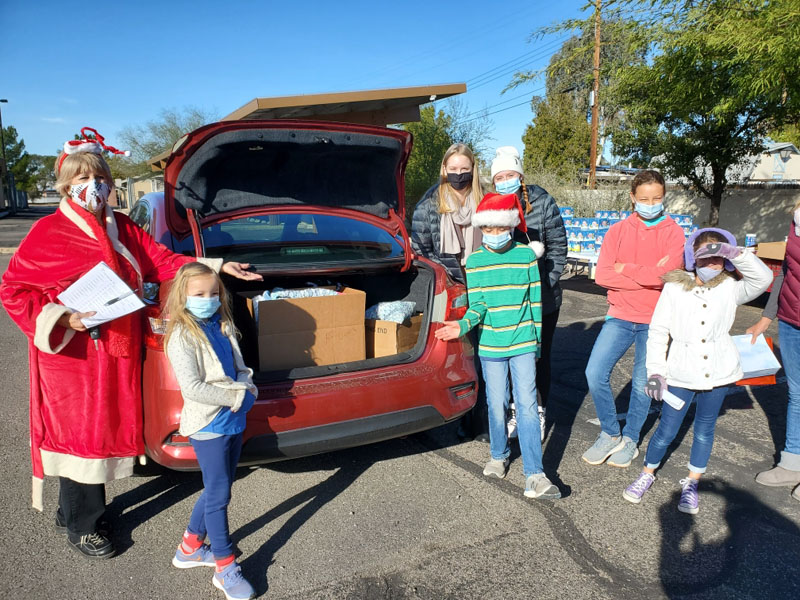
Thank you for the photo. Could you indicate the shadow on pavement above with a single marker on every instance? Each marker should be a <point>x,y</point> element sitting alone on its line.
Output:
<point>752,559</point>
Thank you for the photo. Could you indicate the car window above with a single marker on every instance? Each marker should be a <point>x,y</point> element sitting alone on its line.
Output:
<point>291,238</point>
<point>140,214</point>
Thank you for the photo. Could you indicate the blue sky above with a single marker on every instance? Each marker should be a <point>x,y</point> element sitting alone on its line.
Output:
<point>113,64</point>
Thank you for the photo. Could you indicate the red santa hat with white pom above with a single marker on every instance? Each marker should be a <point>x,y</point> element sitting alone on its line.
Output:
<point>504,210</point>
<point>94,145</point>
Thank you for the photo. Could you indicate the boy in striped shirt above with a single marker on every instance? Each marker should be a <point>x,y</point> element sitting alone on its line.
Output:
<point>505,303</point>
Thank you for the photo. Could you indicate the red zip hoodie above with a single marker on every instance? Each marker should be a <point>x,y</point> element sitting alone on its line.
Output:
<point>633,293</point>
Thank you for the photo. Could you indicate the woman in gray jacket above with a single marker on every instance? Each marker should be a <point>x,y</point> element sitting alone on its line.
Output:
<point>548,239</point>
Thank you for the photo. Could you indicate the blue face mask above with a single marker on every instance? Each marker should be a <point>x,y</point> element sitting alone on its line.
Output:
<point>203,308</point>
<point>496,241</point>
<point>648,211</point>
<point>509,186</point>
<point>706,274</point>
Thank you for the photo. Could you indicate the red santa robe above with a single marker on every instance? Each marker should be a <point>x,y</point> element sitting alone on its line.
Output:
<point>85,403</point>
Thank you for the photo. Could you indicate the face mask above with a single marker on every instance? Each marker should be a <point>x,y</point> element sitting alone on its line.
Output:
<point>458,181</point>
<point>496,241</point>
<point>90,195</point>
<point>509,186</point>
<point>648,211</point>
<point>203,308</point>
<point>706,274</point>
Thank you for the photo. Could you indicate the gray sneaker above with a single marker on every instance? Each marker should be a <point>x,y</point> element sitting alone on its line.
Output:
<point>539,486</point>
<point>603,447</point>
<point>778,477</point>
<point>623,458</point>
<point>496,468</point>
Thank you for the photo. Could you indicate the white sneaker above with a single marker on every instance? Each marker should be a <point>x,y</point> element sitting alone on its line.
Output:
<point>511,425</point>
<point>541,421</point>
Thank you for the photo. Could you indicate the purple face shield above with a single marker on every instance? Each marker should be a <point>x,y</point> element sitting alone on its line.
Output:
<point>688,249</point>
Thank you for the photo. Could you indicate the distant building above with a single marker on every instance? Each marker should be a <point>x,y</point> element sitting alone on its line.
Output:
<point>131,189</point>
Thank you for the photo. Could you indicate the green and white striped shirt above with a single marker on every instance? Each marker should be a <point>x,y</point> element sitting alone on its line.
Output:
<point>504,301</point>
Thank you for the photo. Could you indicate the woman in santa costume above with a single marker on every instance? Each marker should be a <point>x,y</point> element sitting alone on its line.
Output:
<point>85,402</point>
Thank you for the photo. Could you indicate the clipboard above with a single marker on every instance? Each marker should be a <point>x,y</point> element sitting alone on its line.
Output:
<point>101,290</point>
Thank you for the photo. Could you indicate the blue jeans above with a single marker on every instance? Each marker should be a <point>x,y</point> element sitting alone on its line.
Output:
<point>705,421</point>
<point>614,339</point>
<point>523,376</point>
<point>218,458</point>
<point>789,337</point>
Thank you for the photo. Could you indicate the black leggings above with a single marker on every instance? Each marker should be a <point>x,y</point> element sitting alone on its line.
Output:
<point>549,322</point>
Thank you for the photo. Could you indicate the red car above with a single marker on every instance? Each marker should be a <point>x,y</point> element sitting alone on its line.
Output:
<point>306,202</point>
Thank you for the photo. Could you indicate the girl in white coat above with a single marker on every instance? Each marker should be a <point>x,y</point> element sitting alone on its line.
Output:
<point>690,353</point>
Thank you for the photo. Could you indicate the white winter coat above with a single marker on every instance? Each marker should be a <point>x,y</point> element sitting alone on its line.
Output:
<point>688,341</point>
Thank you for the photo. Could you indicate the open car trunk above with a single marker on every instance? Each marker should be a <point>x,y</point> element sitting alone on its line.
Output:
<point>414,285</point>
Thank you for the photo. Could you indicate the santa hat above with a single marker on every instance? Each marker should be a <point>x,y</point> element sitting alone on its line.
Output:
<point>688,249</point>
<point>499,210</point>
<point>506,159</point>
<point>87,144</point>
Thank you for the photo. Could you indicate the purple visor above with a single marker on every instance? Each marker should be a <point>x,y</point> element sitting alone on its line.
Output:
<point>688,249</point>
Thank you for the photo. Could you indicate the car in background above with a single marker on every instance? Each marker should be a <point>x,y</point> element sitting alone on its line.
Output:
<point>306,203</point>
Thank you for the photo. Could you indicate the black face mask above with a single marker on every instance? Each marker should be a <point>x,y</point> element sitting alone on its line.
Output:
<point>459,181</point>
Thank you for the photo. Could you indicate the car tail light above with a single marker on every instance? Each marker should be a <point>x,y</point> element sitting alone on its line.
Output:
<point>464,390</point>
<point>155,327</point>
<point>176,439</point>
<point>456,302</point>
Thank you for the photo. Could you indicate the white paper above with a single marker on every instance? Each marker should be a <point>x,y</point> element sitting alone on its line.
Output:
<point>94,290</point>
<point>757,359</point>
<point>672,400</point>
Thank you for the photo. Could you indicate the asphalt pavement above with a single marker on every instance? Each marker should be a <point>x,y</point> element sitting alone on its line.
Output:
<point>414,518</point>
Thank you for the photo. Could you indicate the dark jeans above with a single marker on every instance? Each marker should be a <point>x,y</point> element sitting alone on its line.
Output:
<point>476,421</point>
<point>218,458</point>
<point>81,505</point>
<point>549,322</point>
<point>708,403</point>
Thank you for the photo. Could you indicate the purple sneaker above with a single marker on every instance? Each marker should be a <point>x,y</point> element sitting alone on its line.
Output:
<point>635,491</point>
<point>690,501</point>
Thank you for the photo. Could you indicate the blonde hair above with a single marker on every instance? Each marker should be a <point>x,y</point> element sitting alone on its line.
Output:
<point>446,190</point>
<point>77,164</point>
<point>175,310</point>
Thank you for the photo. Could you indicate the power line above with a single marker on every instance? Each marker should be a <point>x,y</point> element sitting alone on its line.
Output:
<point>505,72</point>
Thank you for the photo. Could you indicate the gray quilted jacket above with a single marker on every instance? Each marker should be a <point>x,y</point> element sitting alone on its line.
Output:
<point>425,236</point>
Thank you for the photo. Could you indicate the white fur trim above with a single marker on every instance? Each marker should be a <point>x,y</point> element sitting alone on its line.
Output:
<point>37,494</point>
<point>496,218</point>
<point>84,146</point>
<point>87,470</point>
<point>46,322</point>
<point>212,263</point>
<point>538,248</point>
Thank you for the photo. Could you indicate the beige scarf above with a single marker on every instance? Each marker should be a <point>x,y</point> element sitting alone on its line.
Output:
<point>458,236</point>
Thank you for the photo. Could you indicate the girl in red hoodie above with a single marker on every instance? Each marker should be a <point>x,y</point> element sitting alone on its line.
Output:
<point>635,254</point>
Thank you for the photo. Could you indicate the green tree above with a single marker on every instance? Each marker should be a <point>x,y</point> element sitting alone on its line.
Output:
<point>559,138</point>
<point>701,106</point>
<point>431,140</point>
<point>43,176</point>
<point>19,161</point>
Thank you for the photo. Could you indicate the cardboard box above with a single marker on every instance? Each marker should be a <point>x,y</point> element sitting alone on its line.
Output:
<point>384,338</point>
<point>771,250</point>
<point>306,332</point>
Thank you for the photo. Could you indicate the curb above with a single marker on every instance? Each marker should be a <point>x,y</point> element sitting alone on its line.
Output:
<point>8,250</point>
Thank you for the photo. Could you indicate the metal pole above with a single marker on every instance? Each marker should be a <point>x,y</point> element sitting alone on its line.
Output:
<point>12,204</point>
<point>595,91</point>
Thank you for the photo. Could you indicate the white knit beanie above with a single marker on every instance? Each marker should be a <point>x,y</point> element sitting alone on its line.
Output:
<point>506,159</point>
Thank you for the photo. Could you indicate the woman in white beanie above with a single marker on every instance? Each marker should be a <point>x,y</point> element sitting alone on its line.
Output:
<point>548,239</point>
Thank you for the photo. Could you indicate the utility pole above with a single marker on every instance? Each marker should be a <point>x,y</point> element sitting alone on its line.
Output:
<point>595,91</point>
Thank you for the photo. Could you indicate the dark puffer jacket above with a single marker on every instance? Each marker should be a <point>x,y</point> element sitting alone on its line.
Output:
<point>425,236</point>
<point>545,225</point>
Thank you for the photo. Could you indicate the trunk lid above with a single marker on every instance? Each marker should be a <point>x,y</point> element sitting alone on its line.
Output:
<point>231,167</point>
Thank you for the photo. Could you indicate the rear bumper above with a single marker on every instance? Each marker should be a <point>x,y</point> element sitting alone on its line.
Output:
<point>297,443</point>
